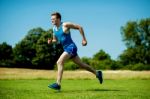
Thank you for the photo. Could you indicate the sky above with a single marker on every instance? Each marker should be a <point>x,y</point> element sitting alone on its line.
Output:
<point>100,19</point>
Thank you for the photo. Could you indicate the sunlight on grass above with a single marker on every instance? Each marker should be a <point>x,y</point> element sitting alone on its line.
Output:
<point>75,89</point>
<point>32,84</point>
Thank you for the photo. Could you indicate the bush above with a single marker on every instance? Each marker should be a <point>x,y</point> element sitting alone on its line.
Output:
<point>95,64</point>
<point>86,60</point>
<point>6,63</point>
<point>115,65</point>
<point>105,64</point>
<point>70,66</point>
<point>140,66</point>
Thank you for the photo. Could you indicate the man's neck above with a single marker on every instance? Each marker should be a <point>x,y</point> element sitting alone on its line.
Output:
<point>58,25</point>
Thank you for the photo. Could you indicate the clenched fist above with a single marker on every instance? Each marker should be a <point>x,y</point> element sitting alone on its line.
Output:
<point>49,40</point>
<point>84,42</point>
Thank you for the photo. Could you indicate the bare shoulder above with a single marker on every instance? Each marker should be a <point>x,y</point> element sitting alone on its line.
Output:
<point>66,24</point>
<point>66,27</point>
<point>71,25</point>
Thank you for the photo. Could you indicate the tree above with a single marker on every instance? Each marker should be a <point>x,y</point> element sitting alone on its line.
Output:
<point>136,35</point>
<point>6,54</point>
<point>101,60</point>
<point>46,54</point>
<point>5,51</point>
<point>101,55</point>
<point>34,52</point>
<point>25,50</point>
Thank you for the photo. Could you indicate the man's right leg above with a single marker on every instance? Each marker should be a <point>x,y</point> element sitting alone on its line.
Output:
<point>60,65</point>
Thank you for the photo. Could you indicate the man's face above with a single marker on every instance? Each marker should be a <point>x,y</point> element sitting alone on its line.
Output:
<point>55,20</point>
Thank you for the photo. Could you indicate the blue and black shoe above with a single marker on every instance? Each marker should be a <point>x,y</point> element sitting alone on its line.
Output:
<point>55,86</point>
<point>99,75</point>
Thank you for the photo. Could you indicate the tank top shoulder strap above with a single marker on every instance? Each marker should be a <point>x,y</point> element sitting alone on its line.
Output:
<point>60,27</point>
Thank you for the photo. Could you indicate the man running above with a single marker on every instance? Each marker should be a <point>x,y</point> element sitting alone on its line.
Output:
<point>61,33</point>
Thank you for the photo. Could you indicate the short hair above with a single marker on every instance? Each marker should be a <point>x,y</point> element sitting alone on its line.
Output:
<point>57,14</point>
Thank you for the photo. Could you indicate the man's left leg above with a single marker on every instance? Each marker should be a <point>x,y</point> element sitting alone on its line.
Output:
<point>98,74</point>
<point>78,61</point>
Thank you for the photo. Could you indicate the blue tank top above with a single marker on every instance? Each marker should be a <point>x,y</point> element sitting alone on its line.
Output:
<point>64,38</point>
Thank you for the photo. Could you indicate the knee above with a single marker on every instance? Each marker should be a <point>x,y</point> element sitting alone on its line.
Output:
<point>60,62</point>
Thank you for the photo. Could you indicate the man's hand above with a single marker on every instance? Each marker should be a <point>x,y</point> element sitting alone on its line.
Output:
<point>84,42</point>
<point>49,41</point>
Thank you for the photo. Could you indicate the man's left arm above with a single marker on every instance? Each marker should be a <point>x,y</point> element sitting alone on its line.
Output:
<point>78,27</point>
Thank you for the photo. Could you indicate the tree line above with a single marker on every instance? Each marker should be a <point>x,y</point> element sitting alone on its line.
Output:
<point>33,51</point>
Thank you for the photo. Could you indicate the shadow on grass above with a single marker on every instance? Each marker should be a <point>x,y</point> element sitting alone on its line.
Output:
<point>103,90</point>
<point>86,90</point>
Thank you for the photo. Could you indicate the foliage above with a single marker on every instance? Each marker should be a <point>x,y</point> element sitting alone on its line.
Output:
<point>138,66</point>
<point>70,66</point>
<point>46,54</point>
<point>136,36</point>
<point>5,51</point>
<point>102,60</point>
<point>34,52</point>
<point>25,50</point>
<point>6,55</point>
<point>86,60</point>
<point>101,55</point>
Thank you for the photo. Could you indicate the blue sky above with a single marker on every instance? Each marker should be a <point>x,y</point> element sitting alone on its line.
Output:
<point>101,20</point>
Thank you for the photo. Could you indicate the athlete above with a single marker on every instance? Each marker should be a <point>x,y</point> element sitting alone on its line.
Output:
<point>61,33</point>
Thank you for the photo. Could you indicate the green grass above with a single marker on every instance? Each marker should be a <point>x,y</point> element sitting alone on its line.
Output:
<point>75,89</point>
<point>32,84</point>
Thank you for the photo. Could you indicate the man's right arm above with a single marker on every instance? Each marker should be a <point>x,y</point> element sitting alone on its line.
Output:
<point>52,40</point>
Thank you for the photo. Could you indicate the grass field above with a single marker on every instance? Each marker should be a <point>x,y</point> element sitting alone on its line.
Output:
<point>32,84</point>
